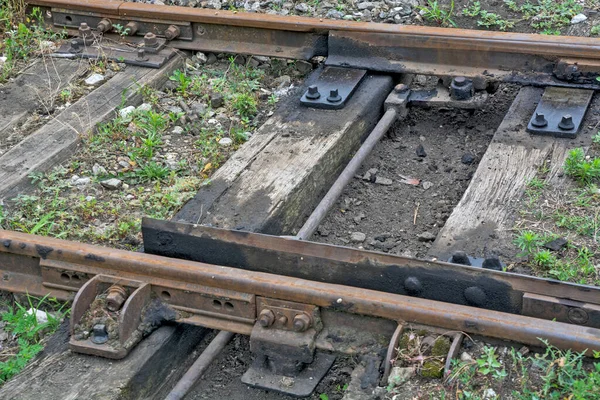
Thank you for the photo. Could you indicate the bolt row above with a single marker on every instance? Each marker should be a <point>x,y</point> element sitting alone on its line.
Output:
<point>300,323</point>
<point>313,94</point>
<point>105,25</point>
<point>566,121</point>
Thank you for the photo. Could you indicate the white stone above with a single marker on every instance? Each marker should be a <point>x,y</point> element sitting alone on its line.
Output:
<point>3,60</point>
<point>94,79</point>
<point>225,142</point>
<point>427,185</point>
<point>366,5</point>
<point>177,130</point>
<point>578,18</point>
<point>302,7</point>
<point>47,45</point>
<point>465,356</point>
<point>82,181</point>
<point>112,184</point>
<point>399,375</point>
<point>90,198</point>
<point>358,237</point>
<point>97,169</point>
<point>201,57</point>
<point>125,112</point>
<point>144,107</point>
<point>40,316</point>
<point>489,394</point>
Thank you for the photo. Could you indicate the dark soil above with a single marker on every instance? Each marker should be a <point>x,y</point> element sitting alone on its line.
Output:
<point>395,217</point>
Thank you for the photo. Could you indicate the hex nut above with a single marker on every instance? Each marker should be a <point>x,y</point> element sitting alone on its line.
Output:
<point>115,298</point>
<point>302,322</point>
<point>172,32</point>
<point>266,318</point>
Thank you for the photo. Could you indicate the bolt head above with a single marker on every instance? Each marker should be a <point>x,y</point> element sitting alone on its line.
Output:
<point>313,92</point>
<point>400,88</point>
<point>266,318</point>
<point>539,120</point>
<point>99,334</point>
<point>334,96</point>
<point>460,81</point>
<point>566,122</point>
<point>301,322</point>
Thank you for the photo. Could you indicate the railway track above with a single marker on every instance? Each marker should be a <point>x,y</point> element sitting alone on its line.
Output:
<point>293,297</point>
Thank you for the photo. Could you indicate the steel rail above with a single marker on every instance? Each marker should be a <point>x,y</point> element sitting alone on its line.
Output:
<point>376,46</point>
<point>23,254</point>
<point>528,43</point>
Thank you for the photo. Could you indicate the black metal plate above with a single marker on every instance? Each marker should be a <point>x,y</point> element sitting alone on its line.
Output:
<point>301,385</point>
<point>345,80</point>
<point>557,102</point>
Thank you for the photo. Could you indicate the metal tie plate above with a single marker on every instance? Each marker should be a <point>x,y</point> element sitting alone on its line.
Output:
<point>333,88</point>
<point>560,112</point>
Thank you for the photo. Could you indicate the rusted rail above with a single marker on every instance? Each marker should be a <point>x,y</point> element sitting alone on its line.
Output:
<point>231,299</point>
<point>536,59</point>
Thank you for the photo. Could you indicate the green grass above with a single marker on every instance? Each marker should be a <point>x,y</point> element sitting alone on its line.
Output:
<point>554,374</point>
<point>487,19</point>
<point>584,170</point>
<point>27,333</point>
<point>433,11</point>
<point>22,35</point>
<point>546,16</point>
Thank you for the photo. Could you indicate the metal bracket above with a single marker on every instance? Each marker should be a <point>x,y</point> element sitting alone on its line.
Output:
<point>133,52</point>
<point>560,112</point>
<point>333,88</point>
<point>283,345</point>
<point>561,310</point>
<point>441,96</point>
<point>111,315</point>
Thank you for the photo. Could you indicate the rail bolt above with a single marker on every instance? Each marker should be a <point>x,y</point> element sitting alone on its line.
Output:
<point>131,28</point>
<point>85,32</point>
<point>461,88</point>
<point>413,285</point>
<point>150,40</point>
<point>578,316</point>
<point>539,120</point>
<point>104,25</point>
<point>115,298</point>
<point>566,122</point>
<point>301,322</point>
<point>400,88</point>
<point>313,92</point>
<point>75,46</point>
<point>141,55</point>
<point>334,96</point>
<point>99,334</point>
<point>266,318</point>
<point>172,32</point>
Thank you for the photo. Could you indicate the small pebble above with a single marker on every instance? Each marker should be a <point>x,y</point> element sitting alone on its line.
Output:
<point>125,112</point>
<point>94,79</point>
<point>358,237</point>
<point>112,184</point>
<point>225,142</point>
